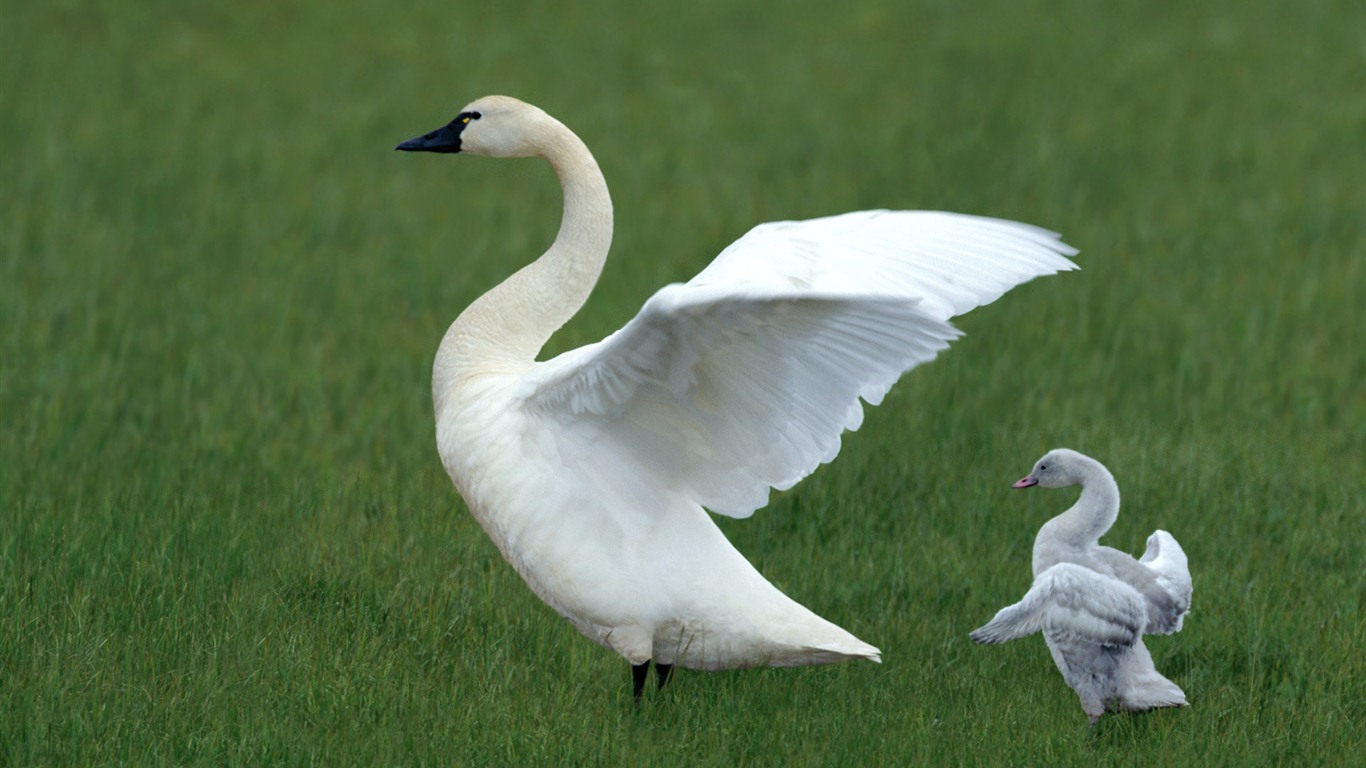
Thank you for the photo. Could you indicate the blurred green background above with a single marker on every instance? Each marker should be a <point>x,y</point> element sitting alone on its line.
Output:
<point>225,535</point>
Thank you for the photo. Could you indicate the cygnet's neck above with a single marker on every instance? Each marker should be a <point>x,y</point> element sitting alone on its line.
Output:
<point>1081,526</point>
<point>504,330</point>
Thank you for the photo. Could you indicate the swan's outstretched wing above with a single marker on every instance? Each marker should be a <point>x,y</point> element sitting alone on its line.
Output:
<point>1074,605</point>
<point>744,378</point>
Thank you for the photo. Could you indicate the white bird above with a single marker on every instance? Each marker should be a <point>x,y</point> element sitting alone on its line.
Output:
<point>1093,603</point>
<point>592,471</point>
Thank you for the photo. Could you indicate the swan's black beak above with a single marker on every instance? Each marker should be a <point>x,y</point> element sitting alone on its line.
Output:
<point>443,139</point>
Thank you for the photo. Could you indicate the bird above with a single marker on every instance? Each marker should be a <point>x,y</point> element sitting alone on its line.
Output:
<point>1094,604</point>
<point>593,471</point>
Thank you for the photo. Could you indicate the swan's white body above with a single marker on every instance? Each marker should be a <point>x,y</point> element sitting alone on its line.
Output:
<point>1093,603</point>
<point>591,471</point>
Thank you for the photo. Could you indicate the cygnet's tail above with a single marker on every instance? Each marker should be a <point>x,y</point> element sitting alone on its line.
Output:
<point>1147,688</point>
<point>1154,691</point>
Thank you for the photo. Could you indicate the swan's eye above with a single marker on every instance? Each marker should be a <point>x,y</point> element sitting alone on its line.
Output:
<point>1043,467</point>
<point>476,115</point>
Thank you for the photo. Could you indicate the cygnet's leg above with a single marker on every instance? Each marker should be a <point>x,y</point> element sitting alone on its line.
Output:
<point>1093,706</point>
<point>639,672</point>
<point>664,672</point>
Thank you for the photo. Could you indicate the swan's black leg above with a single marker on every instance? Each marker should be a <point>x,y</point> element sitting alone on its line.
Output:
<point>664,672</point>
<point>638,674</point>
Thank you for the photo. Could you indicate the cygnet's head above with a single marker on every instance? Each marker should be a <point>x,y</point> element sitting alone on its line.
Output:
<point>1058,468</point>
<point>496,126</point>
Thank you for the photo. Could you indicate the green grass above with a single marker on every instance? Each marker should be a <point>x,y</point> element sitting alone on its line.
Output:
<point>225,536</point>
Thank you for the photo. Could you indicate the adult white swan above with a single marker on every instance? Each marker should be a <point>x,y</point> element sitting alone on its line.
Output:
<point>1093,603</point>
<point>591,471</point>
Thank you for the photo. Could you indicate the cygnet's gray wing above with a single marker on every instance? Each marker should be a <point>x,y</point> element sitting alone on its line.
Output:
<point>1073,605</point>
<point>1161,576</point>
<point>1165,557</point>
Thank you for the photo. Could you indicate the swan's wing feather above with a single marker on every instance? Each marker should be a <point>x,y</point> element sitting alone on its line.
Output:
<point>1162,578</point>
<point>951,262</point>
<point>1072,604</point>
<point>727,395</point>
<point>744,378</point>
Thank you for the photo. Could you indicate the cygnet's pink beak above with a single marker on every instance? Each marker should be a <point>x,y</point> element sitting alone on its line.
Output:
<point>1025,482</point>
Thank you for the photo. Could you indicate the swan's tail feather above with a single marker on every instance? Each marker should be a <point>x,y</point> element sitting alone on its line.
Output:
<point>790,656</point>
<point>811,654</point>
<point>860,651</point>
<point>711,652</point>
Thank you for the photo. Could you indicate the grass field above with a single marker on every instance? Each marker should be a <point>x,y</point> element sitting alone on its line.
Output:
<point>226,538</point>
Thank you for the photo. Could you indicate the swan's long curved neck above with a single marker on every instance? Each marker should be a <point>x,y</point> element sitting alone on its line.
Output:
<point>1096,509</point>
<point>504,329</point>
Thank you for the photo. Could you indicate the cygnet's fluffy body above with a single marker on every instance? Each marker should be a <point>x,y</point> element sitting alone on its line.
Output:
<point>1092,603</point>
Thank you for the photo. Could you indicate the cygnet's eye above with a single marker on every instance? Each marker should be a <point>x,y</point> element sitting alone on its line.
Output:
<point>1043,467</point>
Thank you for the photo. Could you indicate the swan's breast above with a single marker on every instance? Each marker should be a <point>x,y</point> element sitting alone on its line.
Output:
<point>544,499</point>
